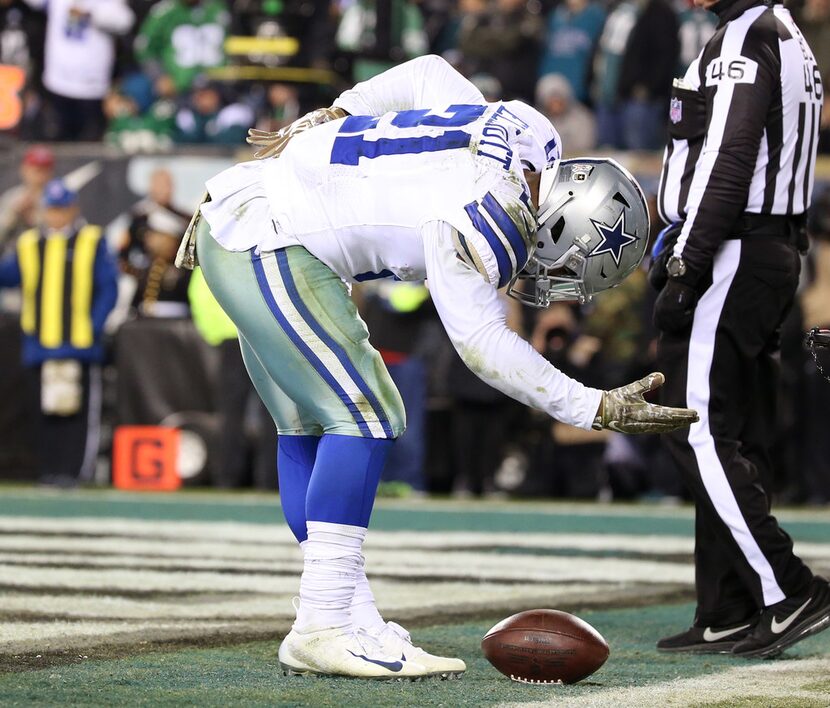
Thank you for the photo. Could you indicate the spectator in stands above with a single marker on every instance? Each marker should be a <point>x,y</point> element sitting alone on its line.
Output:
<point>162,288</point>
<point>617,324</point>
<point>606,72</point>
<point>443,40</point>
<point>138,120</point>
<point>19,26</point>
<point>695,27</point>
<point>633,69</point>
<point>813,413</point>
<point>80,53</point>
<point>814,22</point>
<point>478,432</point>
<point>181,39</point>
<point>574,27</point>
<point>503,40</point>
<point>489,86</point>
<point>282,107</point>
<point>574,123</point>
<point>380,34</point>
<point>132,252</point>
<point>235,397</point>
<point>69,285</point>
<point>440,24</point>
<point>397,314</point>
<point>20,206</point>
<point>569,462</point>
<point>21,45</point>
<point>207,120</point>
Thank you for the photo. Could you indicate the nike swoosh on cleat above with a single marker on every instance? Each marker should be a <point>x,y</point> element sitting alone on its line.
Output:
<point>390,665</point>
<point>778,627</point>
<point>710,636</point>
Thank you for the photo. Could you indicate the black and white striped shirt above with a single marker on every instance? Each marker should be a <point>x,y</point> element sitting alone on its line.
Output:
<point>743,129</point>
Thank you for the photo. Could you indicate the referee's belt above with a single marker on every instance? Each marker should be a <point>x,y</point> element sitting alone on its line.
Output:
<point>790,228</point>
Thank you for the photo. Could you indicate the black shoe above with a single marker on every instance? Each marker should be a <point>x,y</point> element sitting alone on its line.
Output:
<point>783,624</point>
<point>707,640</point>
<point>62,481</point>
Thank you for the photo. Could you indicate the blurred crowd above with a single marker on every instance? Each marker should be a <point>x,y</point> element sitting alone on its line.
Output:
<point>147,76</point>
<point>168,356</point>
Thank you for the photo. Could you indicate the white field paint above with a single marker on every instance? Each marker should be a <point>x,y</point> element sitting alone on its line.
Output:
<point>258,540</point>
<point>764,681</point>
<point>80,584</point>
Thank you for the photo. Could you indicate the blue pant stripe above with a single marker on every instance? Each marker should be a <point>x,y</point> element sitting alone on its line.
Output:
<point>312,358</point>
<point>329,341</point>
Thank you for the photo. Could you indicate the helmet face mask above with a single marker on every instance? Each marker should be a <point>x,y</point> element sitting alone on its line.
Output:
<point>593,231</point>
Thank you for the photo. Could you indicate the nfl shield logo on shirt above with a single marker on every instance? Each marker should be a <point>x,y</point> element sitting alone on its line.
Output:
<point>676,110</point>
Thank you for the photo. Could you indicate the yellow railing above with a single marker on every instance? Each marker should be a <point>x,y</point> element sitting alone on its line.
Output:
<point>275,46</point>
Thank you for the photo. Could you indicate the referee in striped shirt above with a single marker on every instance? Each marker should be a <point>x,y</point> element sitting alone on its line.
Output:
<point>737,180</point>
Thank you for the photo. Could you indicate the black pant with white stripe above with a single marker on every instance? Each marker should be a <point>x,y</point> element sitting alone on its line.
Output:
<point>725,366</point>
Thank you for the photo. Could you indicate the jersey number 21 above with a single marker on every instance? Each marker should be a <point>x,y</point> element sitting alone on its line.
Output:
<point>351,144</point>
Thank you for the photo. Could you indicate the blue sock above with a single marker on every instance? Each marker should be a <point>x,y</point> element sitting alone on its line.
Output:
<point>295,462</point>
<point>345,479</point>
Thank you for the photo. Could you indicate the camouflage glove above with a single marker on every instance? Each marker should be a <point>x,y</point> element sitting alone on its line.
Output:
<point>272,144</point>
<point>625,410</point>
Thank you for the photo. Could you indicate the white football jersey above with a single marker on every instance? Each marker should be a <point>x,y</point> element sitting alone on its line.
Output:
<point>424,180</point>
<point>80,48</point>
<point>356,191</point>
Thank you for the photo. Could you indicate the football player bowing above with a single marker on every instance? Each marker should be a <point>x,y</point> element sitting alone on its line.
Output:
<point>410,175</point>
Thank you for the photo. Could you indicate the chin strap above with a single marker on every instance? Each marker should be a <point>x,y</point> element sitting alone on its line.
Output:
<point>626,411</point>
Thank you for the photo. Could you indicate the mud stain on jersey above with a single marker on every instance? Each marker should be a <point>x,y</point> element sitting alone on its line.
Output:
<point>476,362</point>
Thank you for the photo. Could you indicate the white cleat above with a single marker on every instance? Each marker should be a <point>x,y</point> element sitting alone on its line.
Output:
<point>395,640</point>
<point>344,652</point>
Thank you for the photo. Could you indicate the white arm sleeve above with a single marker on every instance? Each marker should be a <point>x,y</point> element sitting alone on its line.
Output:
<point>425,82</point>
<point>112,17</point>
<point>470,312</point>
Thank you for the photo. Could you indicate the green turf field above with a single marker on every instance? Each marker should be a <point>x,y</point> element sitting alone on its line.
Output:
<point>109,598</point>
<point>246,674</point>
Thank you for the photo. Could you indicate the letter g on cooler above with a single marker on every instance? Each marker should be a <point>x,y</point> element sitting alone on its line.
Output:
<point>145,458</point>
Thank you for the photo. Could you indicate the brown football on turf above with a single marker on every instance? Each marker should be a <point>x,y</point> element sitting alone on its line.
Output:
<point>545,646</point>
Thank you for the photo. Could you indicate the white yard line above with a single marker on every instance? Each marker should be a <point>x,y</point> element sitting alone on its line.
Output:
<point>262,538</point>
<point>77,619</point>
<point>239,576</point>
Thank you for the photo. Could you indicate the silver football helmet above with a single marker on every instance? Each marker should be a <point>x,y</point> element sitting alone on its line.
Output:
<point>593,232</point>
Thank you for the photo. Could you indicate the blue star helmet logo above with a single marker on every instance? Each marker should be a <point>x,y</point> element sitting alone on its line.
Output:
<point>614,238</point>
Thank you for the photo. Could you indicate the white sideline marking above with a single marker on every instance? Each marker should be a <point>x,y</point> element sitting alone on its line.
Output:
<point>759,680</point>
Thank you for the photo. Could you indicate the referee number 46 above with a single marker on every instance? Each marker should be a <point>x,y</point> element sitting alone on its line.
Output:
<point>812,82</point>
<point>738,70</point>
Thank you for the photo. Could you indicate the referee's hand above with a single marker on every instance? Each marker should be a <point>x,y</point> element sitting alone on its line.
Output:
<point>625,410</point>
<point>674,309</point>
